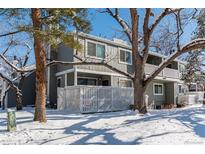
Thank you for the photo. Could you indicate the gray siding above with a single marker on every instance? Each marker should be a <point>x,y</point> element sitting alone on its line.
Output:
<point>70,79</point>
<point>112,52</point>
<point>52,81</point>
<point>28,92</point>
<point>64,53</point>
<point>157,99</point>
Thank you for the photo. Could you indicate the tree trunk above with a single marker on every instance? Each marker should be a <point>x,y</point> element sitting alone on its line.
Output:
<point>40,57</point>
<point>18,102</point>
<point>19,105</point>
<point>139,97</point>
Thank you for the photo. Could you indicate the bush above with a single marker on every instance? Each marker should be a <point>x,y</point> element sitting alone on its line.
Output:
<point>131,107</point>
<point>168,106</point>
<point>181,105</point>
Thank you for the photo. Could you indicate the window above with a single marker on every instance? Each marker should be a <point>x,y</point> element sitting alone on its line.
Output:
<point>87,81</point>
<point>125,57</point>
<point>158,89</point>
<point>180,89</point>
<point>125,83</point>
<point>59,82</point>
<point>96,50</point>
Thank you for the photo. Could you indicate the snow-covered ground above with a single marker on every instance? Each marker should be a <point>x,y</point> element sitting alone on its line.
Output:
<point>175,126</point>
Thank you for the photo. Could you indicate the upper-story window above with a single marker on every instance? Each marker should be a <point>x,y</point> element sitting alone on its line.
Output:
<point>125,56</point>
<point>95,50</point>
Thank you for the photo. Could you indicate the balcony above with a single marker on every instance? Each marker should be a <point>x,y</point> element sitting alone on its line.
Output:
<point>167,72</point>
<point>171,73</point>
<point>149,68</point>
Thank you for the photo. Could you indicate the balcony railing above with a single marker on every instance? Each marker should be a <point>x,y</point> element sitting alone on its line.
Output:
<point>171,73</point>
<point>167,72</point>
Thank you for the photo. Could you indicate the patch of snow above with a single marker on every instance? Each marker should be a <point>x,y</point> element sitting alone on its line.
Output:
<point>168,126</point>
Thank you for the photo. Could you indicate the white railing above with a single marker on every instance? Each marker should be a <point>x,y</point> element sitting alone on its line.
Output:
<point>191,97</point>
<point>86,99</point>
<point>167,72</point>
<point>171,73</point>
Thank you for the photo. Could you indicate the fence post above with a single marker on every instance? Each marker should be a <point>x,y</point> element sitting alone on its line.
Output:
<point>11,120</point>
<point>81,90</point>
<point>111,98</point>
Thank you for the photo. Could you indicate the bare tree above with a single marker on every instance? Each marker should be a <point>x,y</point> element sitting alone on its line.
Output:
<point>16,73</point>
<point>141,39</point>
<point>141,44</point>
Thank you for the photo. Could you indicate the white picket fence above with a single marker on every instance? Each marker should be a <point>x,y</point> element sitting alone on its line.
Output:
<point>87,99</point>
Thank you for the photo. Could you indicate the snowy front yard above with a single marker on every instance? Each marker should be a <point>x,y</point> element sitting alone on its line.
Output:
<point>175,126</point>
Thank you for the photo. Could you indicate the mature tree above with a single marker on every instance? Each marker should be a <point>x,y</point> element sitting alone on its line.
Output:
<point>146,32</point>
<point>46,26</point>
<point>142,38</point>
<point>10,75</point>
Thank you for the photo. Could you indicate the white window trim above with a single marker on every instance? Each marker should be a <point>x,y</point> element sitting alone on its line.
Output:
<point>125,79</point>
<point>162,89</point>
<point>95,42</point>
<point>84,77</point>
<point>121,62</point>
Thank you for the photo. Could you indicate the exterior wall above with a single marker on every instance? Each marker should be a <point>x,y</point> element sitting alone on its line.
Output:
<point>28,92</point>
<point>111,52</point>
<point>70,79</point>
<point>171,91</point>
<point>156,99</point>
<point>64,53</point>
<point>52,81</point>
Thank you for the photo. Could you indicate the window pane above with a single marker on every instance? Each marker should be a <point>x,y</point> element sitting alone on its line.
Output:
<point>92,82</point>
<point>155,89</point>
<point>160,89</point>
<point>59,82</point>
<point>100,51</point>
<point>125,83</point>
<point>129,83</point>
<point>85,81</point>
<point>122,55</point>
<point>128,57</point>
<point>180,89</point>
<point>91,48</point>
<point>82,81</point>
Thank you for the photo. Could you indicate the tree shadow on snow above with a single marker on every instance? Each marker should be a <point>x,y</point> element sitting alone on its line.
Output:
<point>186,117</point>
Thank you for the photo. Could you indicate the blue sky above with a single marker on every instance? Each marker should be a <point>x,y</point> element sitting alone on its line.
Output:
<point>105,26</point>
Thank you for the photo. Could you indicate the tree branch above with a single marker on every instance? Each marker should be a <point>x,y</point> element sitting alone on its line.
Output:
<point>191,46</point>
<point>11,33</point>
<point>160,17</point>
<point>122,23</point>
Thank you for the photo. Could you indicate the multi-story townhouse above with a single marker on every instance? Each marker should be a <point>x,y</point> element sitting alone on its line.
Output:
<point>164,89</point>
